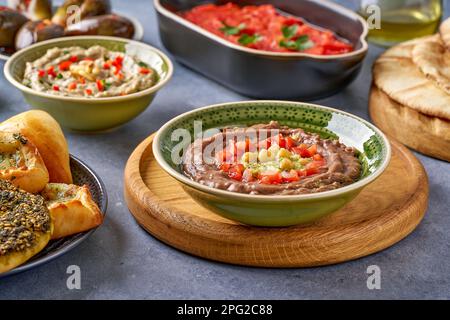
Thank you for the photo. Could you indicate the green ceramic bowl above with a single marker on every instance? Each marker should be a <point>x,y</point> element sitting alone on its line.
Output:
<point>90,114</point>
<point>266,210</point>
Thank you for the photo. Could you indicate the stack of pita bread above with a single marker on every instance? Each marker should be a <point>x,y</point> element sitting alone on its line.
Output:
<point>410,96</point>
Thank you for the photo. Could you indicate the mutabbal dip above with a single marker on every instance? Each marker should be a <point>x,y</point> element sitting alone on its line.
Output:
<point>95,72</point>
<point>263,27</point>
<point>270,159</point>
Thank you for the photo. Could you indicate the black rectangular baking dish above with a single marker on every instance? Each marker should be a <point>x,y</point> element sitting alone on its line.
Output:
<point>262,74</point>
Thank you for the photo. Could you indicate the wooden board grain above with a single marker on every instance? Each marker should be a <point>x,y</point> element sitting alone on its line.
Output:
<point>383,214</point>
<point>428,135</point>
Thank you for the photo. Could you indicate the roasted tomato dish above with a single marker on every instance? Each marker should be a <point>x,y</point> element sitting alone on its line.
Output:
<point>271,159</point>
<point>264,28</point>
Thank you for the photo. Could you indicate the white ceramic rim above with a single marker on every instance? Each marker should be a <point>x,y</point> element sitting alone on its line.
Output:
<point>334,6</point>
<point>159,85</point>
<point>277,198</point>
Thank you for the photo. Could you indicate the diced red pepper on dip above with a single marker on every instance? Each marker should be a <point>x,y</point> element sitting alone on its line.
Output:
<point>262,27</point>
<point>275,160</point>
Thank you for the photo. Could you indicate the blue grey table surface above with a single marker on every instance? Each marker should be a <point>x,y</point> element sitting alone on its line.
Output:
<point>121,261</point>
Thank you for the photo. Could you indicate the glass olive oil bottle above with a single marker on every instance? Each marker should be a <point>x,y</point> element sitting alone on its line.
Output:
<point>394,21</point>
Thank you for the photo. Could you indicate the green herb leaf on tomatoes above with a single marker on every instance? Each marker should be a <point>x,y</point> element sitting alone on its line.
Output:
<point>231,31</point>
<point>143,64</point>
<point>247,39</point>
<point>289,31</point>
<point>302,43</point>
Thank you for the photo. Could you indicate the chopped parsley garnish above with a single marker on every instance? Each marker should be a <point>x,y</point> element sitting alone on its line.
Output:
<point>231,31</point>
<point>66,52</point>
<point>301,43</point>
<point>289,31</point>
<point>143,64</point>
<point>247,39</point>
<point>59,76</point>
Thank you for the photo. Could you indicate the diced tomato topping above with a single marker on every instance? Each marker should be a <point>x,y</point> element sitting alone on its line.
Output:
<point>145,71</point>
<point>82,80</point>
<point>311,171</point>
<point>290,176</point>
<point>317,157</point>
<point>65,65</point>
<point>290,143</point>
<point>100,85</point>
<point>73,59</point>
<point>301,173</point>
<point>118,60</point>
<point>51,72</point>
<point>301,151</point>
<point>279,140</point>
<point>248,176</point>
<point>56,88</point>
<point>304,151</point>
<point>225,167</point>
<point>313,167</point>
<point>88,92</point>
<point>120,76</point>
<point>106,66</point>
<point>271,177</point>
<point>41,73</point>
<point>312,150</point>
<point>235,172</point>
<point>72,86</point>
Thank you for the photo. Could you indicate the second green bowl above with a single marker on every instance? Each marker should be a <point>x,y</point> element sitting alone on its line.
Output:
<point>90,114</point>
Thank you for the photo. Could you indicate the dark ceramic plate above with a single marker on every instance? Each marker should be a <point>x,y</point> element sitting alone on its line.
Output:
<point>82,174</point>
<point>264,74</point>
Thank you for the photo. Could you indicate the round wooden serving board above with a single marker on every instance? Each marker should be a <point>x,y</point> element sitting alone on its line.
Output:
<point>384,213</point>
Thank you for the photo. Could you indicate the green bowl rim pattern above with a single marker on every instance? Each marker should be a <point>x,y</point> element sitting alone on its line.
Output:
<point>162,79</point>
<point>270,198</point>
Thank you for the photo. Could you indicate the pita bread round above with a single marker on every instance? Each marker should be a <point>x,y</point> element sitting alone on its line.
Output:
<point>433,59</point>
<point>429,135</point>
<point>396,74</point>
<point>444,31</point>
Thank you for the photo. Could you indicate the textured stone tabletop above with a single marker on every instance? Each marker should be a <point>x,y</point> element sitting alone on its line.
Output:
<point>121,261</point>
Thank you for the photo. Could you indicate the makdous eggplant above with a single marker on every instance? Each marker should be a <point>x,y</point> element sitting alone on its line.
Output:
<point>10,23</point>
<point>36,31</point>
<point>106,25</point>
<point>88,8</point>
<point>33,9</point>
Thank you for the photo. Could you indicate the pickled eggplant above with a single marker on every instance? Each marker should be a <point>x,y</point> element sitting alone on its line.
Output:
<point>88,8</point>
<point>36,31</point>
<point>33,9</point>
<point>10,23</point>
<point>106,25</point>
